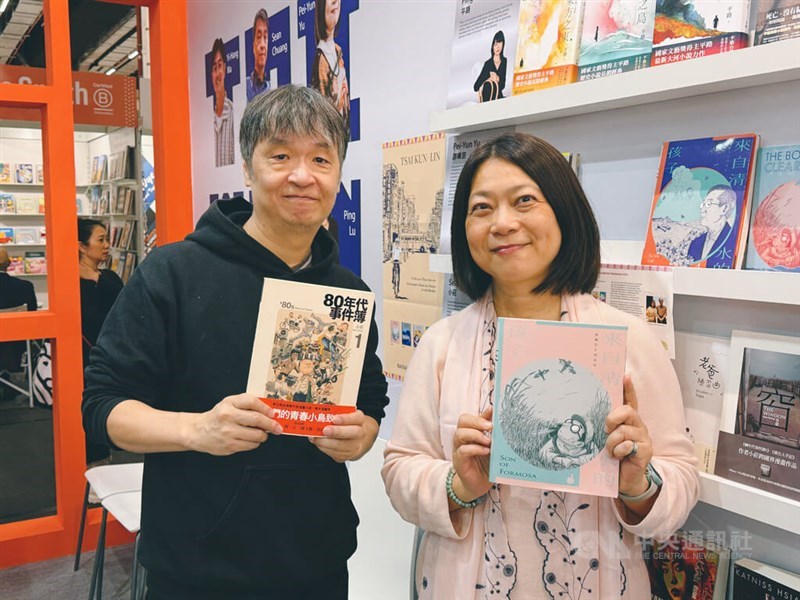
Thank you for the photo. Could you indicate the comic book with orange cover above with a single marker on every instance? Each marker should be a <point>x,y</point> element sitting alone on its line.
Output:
<point>548,44</point>
<point>308,352</point>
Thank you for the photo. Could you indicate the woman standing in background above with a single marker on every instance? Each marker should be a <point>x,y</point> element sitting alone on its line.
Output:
<point>99,290</point>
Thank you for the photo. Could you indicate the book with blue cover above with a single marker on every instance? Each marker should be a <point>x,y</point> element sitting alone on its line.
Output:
<point>617,37</point>
<point>699,215</point>
<point>774,241</point>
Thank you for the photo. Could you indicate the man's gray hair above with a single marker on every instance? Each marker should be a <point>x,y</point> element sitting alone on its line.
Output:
<point>291,111</point>
<point>727,199</point>
<point>262,16</point>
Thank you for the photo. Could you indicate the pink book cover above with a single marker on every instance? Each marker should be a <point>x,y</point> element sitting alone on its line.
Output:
<point>555,384</point>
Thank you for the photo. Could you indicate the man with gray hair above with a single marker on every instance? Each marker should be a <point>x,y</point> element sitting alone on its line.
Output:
<point>717,214</point>
<point>230,507</point>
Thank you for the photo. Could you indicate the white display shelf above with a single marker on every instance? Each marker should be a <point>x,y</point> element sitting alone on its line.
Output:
<point>20,215</point>
<point>128,182</point>
<point>730,284</point>
<point>752,286</point>
<point>750,502</point>
<point>113,216</point>
<point>36,186</point>
<point>748,67</point>
<point>22,245</point>
<point>29,275</point>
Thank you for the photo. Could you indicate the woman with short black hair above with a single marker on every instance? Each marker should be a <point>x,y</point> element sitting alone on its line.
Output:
<point>525,244</point>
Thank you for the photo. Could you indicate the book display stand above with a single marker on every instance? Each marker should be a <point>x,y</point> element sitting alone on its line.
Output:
<point>617,124</point>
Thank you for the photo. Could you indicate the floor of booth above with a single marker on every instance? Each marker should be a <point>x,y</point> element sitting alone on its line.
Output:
<point>55,578</point>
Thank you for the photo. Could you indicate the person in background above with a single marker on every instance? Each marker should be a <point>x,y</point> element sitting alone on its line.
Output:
<point>328,74</point>
<point>99,291</point>
<point>223,107</point>
<point>233,509</point>
<point>14,292</point>
<point>492,78</point>
<point>526,244</point>
<point>257,81</point>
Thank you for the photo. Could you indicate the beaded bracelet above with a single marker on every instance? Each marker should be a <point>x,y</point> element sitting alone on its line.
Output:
<point>452,495</point>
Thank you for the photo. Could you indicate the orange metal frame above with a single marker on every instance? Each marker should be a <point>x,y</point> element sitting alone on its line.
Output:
<point>49,537</point>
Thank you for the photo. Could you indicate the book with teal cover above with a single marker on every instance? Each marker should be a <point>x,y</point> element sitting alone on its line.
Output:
<point>617,37</point>
<point>774,242</point>
<point>555,384</point>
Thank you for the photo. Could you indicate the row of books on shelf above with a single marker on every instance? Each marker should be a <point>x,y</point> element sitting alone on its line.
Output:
<point>120,236</point>
<point>123,264</point>
<point>114,166</point>
<point>21,204</point>
<point>742,405</point>
<point>100,201</point>
<point>22,173</point>
<point>123,236</point>
<point>30,263</point>
<point>695,566</point>
<point>723,202</point>
<point>23,235</point>
<point>720,202</point>
<point>555,42</point>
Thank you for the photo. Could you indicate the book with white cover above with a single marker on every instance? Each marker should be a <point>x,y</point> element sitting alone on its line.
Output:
<point>308,352</point>
<point>701,363</point>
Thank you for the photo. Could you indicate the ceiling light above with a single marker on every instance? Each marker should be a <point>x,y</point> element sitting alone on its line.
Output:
<point>133,55</point>
<point>3,5</point>
<point>111,71</point>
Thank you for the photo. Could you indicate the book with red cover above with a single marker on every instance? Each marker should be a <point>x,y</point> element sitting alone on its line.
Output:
<point>687,567</point>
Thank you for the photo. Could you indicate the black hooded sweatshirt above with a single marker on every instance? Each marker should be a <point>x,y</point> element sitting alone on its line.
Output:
<point>179,338</point>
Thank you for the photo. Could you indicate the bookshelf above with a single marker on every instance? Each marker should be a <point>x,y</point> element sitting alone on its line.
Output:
<point>749,67</point>
<point>23,146</point>
<point>729,284</point>
<point>750,502</point>
<point>617,124</point>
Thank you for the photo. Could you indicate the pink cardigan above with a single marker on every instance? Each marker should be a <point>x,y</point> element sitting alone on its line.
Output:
<point>418,456</point>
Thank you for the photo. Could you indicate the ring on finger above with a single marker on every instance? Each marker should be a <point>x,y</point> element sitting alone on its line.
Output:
<point>634,450</point>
